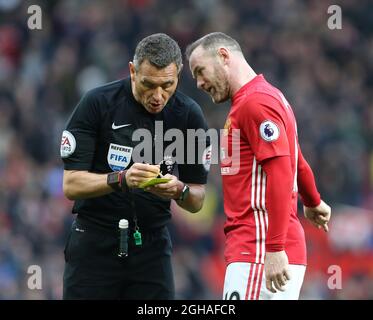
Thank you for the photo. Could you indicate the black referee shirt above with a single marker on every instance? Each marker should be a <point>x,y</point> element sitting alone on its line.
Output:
<point>98,138</point>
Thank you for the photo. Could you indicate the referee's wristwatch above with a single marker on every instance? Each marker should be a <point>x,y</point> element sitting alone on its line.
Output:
<point>117,180</point>
<point>184,193</point>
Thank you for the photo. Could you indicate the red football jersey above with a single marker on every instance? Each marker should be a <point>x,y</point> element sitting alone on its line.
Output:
<point>267,129</point>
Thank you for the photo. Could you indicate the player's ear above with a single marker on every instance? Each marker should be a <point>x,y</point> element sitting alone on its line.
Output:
<point>132,69</point>
<point>179,71</point>
<point>223,54</point>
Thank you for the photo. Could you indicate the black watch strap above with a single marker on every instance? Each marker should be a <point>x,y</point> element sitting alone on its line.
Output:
<point>117,180</point>
<point>184,192</point>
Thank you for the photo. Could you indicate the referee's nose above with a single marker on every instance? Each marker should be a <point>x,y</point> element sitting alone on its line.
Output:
<point>158,94</point>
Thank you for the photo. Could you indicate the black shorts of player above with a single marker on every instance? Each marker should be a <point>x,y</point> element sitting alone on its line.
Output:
<point>93,269</point>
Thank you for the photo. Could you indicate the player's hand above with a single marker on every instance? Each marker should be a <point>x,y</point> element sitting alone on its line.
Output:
<point>319,216</point>
<point>141,172</point>
<point>168,190</point>
<point>276,270</point>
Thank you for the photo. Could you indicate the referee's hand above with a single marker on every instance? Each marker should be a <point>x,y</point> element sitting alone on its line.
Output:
<point>168,190</point>
<point>141,172</point>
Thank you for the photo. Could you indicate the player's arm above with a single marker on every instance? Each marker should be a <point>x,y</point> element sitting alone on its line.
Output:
<point>306,183</point>
<point>279,185</point>
<point>315,210</point>
<point>79,184</point>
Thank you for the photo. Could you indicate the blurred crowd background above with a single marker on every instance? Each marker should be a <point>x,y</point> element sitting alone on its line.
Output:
<point>325,74</point>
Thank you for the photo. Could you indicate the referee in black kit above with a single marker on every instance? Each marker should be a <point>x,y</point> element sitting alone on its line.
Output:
<point>103,178</point>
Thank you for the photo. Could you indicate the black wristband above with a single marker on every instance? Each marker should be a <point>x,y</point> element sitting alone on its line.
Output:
<point>117,181</point>
<point>113,180</point>
<point>123,181</point>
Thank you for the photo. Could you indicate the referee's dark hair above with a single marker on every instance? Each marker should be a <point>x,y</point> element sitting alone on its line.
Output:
<point>212,41</point>
<point>160,50</point>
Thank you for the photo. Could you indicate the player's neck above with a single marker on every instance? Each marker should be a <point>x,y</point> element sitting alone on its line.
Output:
<point>244,75</point>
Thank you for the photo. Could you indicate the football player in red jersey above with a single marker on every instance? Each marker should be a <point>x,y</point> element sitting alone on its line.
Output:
<point>265,245</point>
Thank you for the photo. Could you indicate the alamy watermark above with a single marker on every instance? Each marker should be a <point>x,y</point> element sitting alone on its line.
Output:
<point>335,280</point>
<point>335,20</point>
<point>198,146</point>
<point>189,146</point>
<point>34,21</point>
<point>34,281</point>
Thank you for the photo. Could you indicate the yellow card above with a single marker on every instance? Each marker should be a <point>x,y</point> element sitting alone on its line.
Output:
<point>153,182</point>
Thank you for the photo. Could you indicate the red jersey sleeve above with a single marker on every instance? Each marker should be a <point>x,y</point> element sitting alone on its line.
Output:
<point>278,201</point>
<point>263,127</point>
<point>306,183</point>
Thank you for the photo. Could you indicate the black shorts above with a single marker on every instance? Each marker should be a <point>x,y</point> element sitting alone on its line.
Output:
<point>93,269</point>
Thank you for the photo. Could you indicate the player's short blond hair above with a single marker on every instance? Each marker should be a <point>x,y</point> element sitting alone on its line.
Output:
<point>212,41</point>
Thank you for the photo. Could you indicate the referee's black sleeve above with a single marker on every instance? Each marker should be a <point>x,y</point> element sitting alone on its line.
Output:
<point>82,129</point>
<point>197,171</point>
